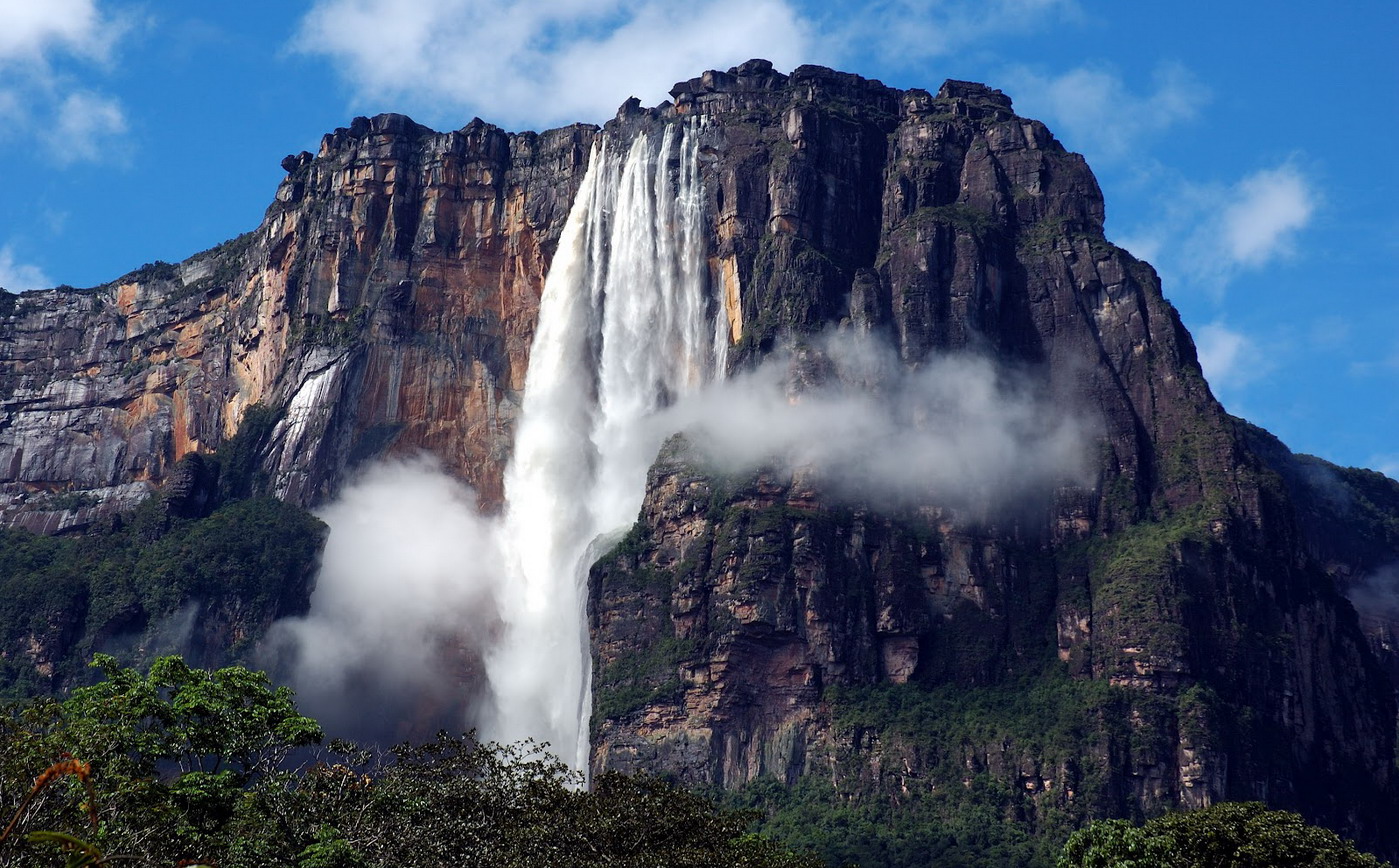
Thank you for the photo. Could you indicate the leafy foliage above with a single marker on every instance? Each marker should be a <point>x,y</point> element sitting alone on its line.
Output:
<point>192,765</point>
<point>973,776</point>
<point>1230,835</point>
<point>63,598</point>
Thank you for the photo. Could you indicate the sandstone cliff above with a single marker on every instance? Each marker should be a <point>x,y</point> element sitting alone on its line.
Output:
<point>386,302</point>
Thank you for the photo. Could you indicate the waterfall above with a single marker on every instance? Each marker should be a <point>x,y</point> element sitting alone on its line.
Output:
<point>623,330</point>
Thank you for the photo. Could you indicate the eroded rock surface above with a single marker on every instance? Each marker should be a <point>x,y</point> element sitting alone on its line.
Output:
<point>386,304</point>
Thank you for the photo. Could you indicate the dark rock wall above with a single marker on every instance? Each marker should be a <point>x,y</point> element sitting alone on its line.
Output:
<point>947,223</point>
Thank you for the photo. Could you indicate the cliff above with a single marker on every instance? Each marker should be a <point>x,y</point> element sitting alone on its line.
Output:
<point>386,302</point>
<point>1199,579</point>
<point>1172,633</point>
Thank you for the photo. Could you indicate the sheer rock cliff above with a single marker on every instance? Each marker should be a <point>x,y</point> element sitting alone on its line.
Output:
<point>386,303</point>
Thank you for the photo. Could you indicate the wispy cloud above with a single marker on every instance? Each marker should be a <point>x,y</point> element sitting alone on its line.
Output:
<point>1206,235</point>
<point>42,48</point>
<point>1264,213</point>
<point>88,127</point>
<point>1387,464</point>
<point>34,31</point>
<point>18,276</point>
<point>535,61</point>
<point>910,32</point>
<point>1229,357</point>
<point>1095,111</point>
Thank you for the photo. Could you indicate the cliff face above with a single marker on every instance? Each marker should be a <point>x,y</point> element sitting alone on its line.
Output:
<point>1192,577</point>
<point>1184,612</point>
<point>386,303</point>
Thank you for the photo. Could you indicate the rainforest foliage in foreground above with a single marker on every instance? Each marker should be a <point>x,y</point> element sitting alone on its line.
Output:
<point>184,766</point>
<point>188,766</point>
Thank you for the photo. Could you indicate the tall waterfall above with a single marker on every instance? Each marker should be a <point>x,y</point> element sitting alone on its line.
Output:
<point>624,328</point>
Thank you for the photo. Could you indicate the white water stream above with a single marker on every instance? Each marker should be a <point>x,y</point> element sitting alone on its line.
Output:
<point>624,329</point>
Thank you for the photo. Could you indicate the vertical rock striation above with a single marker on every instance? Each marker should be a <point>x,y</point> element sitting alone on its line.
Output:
<point>386,303</point>
<point>1187,579</point>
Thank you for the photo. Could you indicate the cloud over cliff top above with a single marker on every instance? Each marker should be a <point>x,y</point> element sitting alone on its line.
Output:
<point>533,61</point>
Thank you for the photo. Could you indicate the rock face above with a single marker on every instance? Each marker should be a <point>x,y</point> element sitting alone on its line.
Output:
<point>387,303</point>
<point>1195,577</point>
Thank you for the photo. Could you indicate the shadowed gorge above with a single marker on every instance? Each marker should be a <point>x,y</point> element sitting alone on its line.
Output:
<point>953,534</point>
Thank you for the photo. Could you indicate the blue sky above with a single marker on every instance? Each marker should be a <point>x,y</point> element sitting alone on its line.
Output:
<point>1244,149</point>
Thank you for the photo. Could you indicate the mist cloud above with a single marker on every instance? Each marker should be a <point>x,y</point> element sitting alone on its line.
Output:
<point>956,431</point>
<point>403,606</point>
<point>1377,595</point>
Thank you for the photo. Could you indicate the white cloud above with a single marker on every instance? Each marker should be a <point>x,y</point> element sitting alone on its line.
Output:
<point>1265,212</point>
<point>535,61</point>
<point>958,431</point>
<point>34,29</point>
<point>87,127</point>
<point>46,49</point>
<point>1204,236</point>
<point>18,276</point>
<point>1388,464</point>
<point>1228,356</point>
<point>1094,111</point>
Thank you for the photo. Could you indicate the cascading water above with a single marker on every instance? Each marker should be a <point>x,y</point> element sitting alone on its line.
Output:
<point>623,330</point>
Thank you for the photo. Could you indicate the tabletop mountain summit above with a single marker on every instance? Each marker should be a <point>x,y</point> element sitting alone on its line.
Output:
<point>993,556</point>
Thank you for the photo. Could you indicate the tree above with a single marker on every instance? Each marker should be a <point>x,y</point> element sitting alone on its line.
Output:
<point>188,764</point>
<point>1228,835</point>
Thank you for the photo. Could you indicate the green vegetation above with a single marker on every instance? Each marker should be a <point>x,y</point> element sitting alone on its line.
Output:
<point>238,457</point>
<point>958,776</point>
<point>340,329</point>
<point>1231,835</point>
<point>151,272</point>
<point>229,260</point>
<point>1370,503</point>
<point>1044,235</point>
<point>650,674</point>
<point>962,217</point>
<point>795,286</point>
<point>63,598</point>
<point>248,558</point>
<point>188,766</point>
